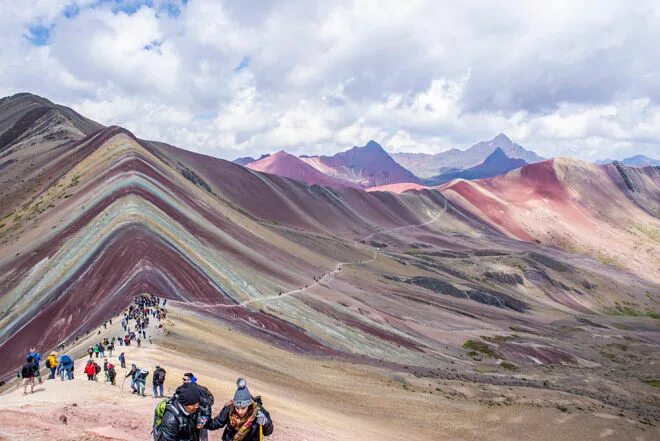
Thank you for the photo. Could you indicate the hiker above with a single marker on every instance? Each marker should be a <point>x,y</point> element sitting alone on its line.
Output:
<point>177,419</point>
<point>28,372</point>
<point>51,363</point>
<point>101,350</point>
<point>244,417</point>
<point>141,380</point>
<point>65,367</point>
<point>90,351</point>
<point>96,351</point>
<point>36,357</point>
<point>90,370</point>
<point>111,347</point>
<point>105,370</point>
<point>97,370</point>
<point>138,342</point>
<point>132,373</point>
<point>205,404</point>
<point>112,374</point>
<point>122,360</point>
<point>158,381</point>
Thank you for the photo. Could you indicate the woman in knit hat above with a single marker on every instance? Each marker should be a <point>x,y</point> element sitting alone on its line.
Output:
<point>244,417</point>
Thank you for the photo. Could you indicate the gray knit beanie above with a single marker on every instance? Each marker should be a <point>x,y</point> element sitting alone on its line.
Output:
<point>242,397</point>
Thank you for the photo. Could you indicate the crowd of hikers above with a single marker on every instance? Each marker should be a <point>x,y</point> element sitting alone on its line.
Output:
<point>187,414</point>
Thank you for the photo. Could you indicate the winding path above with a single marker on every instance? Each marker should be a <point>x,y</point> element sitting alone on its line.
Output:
<point>327,276</point>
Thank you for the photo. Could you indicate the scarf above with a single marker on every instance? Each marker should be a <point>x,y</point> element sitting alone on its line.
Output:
<point>242,425</point>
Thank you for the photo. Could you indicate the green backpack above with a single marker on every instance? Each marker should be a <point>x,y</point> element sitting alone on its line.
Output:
<point>159,414</point>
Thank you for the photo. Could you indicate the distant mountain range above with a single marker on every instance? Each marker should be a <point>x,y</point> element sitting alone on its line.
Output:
<point>633,161</point>
<point>364,167</point>
<point>497,163</point>
<point>371,166</point>
<point>427,165</point>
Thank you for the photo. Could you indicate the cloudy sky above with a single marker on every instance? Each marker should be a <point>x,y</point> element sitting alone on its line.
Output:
<point>243,77</point>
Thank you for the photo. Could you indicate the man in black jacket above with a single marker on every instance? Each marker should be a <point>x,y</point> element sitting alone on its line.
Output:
<point>28,373</point>
<point>206,401</point>
<point>180,417</point>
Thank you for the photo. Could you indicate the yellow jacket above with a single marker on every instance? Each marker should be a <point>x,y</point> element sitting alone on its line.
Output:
<point>52,360</point>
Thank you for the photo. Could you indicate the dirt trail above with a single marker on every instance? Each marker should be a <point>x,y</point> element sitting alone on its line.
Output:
<point>326,278</point>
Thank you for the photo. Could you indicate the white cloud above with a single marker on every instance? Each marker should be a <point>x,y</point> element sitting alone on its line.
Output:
<point>233,78</point>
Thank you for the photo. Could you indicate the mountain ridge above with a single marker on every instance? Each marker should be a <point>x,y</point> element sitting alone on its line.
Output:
<point>497,163</point>
<point>427,165</point>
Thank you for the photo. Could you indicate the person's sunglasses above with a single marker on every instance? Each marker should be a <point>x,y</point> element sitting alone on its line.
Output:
<point>186,380</point>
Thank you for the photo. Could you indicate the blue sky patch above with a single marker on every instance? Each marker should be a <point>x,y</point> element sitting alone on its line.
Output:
<point>39,34</point>
<point>245,62</point>
<point>71,10</point>
<point>153,46</point>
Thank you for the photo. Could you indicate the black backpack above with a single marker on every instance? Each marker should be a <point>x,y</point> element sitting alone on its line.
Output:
<point>159,376</point>
<point>26,371</point>
<point>207,399</point>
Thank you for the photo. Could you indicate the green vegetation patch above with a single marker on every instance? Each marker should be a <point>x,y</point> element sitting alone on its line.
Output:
<point>650,232</point>
<point>498,338</point>
<point>479,346</point>
<point>652,381</point>
<point>628,311</point>
<point>509,366</point>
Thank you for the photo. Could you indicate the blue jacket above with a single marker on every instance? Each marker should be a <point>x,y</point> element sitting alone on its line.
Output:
<point>65,361</point>
<point>36,356</point>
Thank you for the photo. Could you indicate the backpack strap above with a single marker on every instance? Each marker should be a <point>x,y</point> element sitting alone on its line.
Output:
<point>176,411</point>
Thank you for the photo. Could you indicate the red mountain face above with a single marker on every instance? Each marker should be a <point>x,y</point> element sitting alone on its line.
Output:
<point>289,166</point>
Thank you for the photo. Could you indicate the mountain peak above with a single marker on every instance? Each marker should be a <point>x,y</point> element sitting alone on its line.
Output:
<point>369,165</point>
<point>501,139</point>
<point>370,148</point>
<point>281,154</point>
<point>496,155</point>
<point>373,145</point>
<point>29,97</point>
